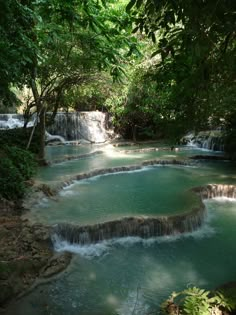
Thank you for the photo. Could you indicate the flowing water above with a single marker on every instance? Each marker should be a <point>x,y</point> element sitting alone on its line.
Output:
<point>131,275</point>
<point>109,157</point>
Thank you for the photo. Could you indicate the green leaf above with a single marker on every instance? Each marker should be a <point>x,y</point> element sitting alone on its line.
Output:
<point>130,5</point>
<point>104,3</point>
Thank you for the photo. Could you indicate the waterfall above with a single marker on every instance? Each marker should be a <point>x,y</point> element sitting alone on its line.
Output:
<point>11,121</point>
<point>216,190</point>
<point>144,227</point>
<point>212,143</point>
<point>210,140</point>
<point>89,126</point>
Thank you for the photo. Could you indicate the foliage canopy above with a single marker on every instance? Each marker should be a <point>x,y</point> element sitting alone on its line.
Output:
<point>195,41</point>
<point>174,60</point>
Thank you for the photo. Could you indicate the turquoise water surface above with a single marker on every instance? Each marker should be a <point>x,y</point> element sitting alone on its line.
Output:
<point>131,275</point>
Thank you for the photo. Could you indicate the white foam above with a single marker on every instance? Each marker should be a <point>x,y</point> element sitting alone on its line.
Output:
<point>102,248</point>
<point>224,199</point>
<point>96,177</point>
<point>12,123</point>
<point>66,193</point>
<point>88,251</point>
<point>44,203</point>
<point>70,186</point>
<point>140,170</point>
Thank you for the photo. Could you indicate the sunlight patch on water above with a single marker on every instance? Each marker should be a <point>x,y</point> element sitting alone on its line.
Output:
<point>160,276</point>
<point>122,155</point>
<point>111,152</point>
<point>134,304</point>
<point>111,299</point>
<point>173,156</point>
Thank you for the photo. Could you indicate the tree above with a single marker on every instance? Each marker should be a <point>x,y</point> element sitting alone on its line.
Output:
<point>54,46</point>
<point>76,39</point>
<point>196,44</point>
<point>17,47</point>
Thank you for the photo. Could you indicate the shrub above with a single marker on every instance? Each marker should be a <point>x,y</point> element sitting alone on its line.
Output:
<point>11,180</point>
<point>23,160</point>
<point>19,137</point>
<point>195,301</point>
<point>16,166</point>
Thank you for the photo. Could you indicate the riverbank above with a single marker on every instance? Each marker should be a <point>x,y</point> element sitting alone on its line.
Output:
<point>26,253</point>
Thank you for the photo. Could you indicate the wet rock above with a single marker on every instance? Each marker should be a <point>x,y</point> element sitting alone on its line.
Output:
<point>56,264</point>
<point>210,157</point>
<point>41,233</point>
<point>47,190</point>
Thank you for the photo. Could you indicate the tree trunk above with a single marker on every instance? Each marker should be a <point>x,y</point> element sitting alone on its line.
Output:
<point>41,112</point>
<point>134,131</point>
<point>42,129</point>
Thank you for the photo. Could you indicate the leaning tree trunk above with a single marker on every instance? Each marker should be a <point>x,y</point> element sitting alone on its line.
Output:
<point>42,129</point>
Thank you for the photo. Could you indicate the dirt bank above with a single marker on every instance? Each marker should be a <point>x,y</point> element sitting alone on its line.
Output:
<point>26,253</point>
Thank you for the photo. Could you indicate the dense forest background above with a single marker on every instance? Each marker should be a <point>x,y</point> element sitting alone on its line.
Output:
<point>161,68</point>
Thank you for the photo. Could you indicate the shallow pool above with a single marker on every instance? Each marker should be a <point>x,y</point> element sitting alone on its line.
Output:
<point>130,275</point>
